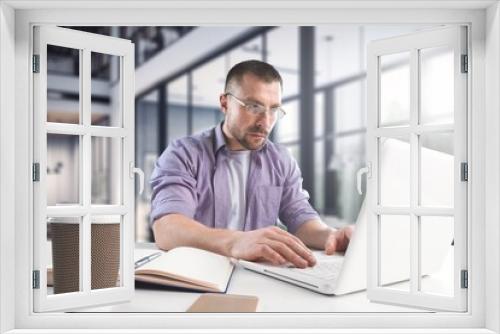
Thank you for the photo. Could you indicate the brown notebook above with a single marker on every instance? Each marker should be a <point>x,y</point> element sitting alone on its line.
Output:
<point>216,302</point>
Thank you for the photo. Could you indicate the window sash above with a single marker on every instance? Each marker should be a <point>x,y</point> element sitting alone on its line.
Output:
<point>85,43</point>
<point>412,43</point>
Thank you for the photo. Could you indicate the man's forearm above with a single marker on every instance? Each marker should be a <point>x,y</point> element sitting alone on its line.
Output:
<point>269,243</point>
<point>175,230</point>
<point>314,233</point>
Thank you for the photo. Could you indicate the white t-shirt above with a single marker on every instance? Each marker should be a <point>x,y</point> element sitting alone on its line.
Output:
<point>238,166</point>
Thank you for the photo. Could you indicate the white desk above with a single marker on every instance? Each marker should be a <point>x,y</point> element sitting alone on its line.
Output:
<point>274,296</point>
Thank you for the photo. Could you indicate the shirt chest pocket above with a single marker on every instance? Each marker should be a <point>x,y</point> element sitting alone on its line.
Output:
<point>268,199</point>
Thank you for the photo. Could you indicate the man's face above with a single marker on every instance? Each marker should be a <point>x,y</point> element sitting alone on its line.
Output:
<point>243,129</point>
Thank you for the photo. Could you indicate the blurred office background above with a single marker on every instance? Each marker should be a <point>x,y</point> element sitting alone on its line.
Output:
<point>324,94</point>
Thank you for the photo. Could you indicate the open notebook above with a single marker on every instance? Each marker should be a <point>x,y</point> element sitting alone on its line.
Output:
<point>185,267</point>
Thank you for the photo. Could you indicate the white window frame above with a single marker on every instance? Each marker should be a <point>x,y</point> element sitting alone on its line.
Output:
<point>455,38</point>
<point>16,20</point>
<point>86,43</point>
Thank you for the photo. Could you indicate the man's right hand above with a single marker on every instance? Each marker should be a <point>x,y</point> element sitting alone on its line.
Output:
<point>271,244</point>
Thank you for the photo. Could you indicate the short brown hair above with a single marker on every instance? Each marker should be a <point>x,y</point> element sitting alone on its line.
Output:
<point>262,70</point>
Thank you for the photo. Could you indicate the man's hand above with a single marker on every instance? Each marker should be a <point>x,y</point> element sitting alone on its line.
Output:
<point>338,240</point>
<point>271,244</point>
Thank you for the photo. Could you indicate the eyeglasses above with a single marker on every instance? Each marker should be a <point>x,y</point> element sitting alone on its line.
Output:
<point>259,109</point>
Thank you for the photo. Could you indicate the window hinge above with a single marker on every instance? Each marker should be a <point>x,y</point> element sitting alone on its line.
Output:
<point>464,171</point>
<point>465,64</point>
<point>36,63</point>
<point>464,279</point>
<point>36,172</point>
<point>36,279</point>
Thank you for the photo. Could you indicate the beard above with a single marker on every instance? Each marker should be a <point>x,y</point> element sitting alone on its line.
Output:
<point>251,138</point>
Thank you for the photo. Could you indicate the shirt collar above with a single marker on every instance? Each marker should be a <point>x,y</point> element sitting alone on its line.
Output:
<point>220,140</point>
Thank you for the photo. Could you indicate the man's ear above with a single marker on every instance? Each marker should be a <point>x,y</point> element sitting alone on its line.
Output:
<point>223,103</point>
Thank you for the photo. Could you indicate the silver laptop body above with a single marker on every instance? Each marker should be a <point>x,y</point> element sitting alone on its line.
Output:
<point>333,274</point>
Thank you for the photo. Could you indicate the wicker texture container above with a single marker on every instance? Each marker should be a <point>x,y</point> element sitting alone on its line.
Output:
<point>65,257</point>
<point>105,254</point>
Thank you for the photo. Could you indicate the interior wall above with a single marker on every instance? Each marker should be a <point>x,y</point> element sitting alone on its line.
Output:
<point>7,175</point>
<point>23,221</point>
<point>492,189</point>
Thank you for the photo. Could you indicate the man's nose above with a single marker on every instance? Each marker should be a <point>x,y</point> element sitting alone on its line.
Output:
<point>265,120</point>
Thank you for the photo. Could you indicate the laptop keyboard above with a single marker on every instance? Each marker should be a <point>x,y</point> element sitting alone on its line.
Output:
<point>322,270</point>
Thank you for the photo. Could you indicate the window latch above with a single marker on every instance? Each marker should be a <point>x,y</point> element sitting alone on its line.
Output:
<point>134,170</point>
<point>365,170</point>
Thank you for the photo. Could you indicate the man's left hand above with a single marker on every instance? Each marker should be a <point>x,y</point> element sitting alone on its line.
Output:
<point>338,240</point>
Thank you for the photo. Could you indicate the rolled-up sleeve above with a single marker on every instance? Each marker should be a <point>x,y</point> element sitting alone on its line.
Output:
<point>295,209</point>
<point>173,183</point>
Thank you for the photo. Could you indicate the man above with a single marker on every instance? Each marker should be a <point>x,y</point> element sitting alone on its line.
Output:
<point>224,190</point>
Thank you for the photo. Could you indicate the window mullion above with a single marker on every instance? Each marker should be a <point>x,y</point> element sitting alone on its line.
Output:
<point>85,242</point>
<point>414,170</point>
<point>77,129</point>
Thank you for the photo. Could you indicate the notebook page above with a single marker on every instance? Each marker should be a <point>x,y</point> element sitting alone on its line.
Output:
<point>195,264</point>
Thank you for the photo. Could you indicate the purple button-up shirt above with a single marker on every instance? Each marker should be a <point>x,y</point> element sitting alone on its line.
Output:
<point>191,178</point>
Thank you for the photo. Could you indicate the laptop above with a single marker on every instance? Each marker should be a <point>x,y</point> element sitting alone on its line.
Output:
<point>340,274</point>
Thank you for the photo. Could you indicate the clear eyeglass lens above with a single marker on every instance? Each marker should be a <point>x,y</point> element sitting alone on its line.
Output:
<point>253,108</point>
<point>278,112</point>
<point>258,109</point>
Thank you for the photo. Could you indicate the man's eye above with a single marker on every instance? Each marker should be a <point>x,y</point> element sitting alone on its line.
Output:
<point>254,107</point>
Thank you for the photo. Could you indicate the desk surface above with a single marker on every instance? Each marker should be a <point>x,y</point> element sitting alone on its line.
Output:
<point>274,296</point>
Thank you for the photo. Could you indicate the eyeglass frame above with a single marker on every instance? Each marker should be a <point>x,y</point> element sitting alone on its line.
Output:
<point>280,112</point>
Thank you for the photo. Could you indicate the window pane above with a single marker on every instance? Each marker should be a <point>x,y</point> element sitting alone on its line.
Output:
<point>63,237</point>
<point>395,89</point>
<point>106,170</point>
<point>349,113</point>
<point>208,84</point>
<point>177,109</point>
<point>395,251</point>
<point>319,175</point>
<point>287,128</point>
<point>436,85</point>
<point>394,172</point>
<point>294,151</point>
<point>348,159</point>
<point>106,89</point>
<point>63,85</point>
<point>204,118</point>
<point>146,153</point>
<point>338,53</point>
<point>105,251</point>
<point>63,169</point>
<point>437,171</point>
<point>283,54</point>
<point>249,50</point>
<point>319,114</point>
<point>349,147</point>
<point>436,235</point>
